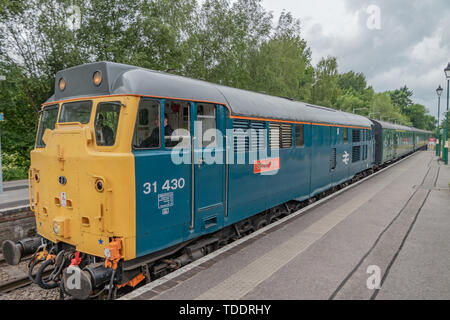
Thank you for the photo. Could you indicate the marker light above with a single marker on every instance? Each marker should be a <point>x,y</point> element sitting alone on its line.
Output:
<point>62,84</point>
<point>97,78</point>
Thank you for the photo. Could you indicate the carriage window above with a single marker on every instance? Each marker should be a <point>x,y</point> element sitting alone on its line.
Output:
<point>176,124</point>
<point>48,120</point>
<point>79,111</point>
<point>106,121</point>
<point>206,114</point>
<point>299,135</point>
<point>146,132</point>
<point>345,135</point>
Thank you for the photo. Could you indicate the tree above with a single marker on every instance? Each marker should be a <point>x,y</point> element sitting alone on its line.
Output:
<point>233,43</point>
<point>352,81</point>
<point>325,89</point>
<point>402,98</point>
<point>282,65</point>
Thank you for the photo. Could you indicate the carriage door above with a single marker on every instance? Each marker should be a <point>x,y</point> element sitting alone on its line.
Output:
<point>208,167</point>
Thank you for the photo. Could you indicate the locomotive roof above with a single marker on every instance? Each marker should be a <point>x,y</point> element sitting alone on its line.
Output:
<point>125,79</point>
<point>389,125</point>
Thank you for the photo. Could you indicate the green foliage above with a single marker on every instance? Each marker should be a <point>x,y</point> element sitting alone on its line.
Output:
<point>233,43</point>
<point>402,98</point>
<point>282,65</point>
<point>325,90</point>
<point>15,167</point>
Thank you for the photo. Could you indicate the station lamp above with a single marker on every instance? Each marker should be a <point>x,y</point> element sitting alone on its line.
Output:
<point>447,71</point>
<point>447,75</point>
<point>439,91</point>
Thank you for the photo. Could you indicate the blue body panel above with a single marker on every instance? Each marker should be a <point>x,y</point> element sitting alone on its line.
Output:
<point>157,229</point>
<point>164,217</point>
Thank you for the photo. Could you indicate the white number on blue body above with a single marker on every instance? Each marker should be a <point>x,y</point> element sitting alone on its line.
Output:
<point>148,187</point>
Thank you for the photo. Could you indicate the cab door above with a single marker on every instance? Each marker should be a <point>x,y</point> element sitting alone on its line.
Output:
<point>208,168</point>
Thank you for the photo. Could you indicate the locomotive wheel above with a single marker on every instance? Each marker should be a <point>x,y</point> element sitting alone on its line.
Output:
<point>261,224</point>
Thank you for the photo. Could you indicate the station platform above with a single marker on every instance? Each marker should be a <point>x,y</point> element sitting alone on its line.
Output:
<point>15,194</point>
<point>386,237</point>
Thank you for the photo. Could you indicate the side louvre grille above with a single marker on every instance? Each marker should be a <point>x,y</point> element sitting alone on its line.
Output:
<point>356,153</point>
<point>356,135</point>
<point>240,135</point>
<point>280,135</point>
<point>333,158</point>
<point>249,135</point>
<point>286,136</point>
<point>274,135</point>
<point>258,135</point>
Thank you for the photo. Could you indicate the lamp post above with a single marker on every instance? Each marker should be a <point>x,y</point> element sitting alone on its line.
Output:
<point>2,78</point>
<point>439,137</point>
<point>445,145</point>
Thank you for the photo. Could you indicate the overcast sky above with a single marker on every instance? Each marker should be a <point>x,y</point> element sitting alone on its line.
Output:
<point>408,45</point>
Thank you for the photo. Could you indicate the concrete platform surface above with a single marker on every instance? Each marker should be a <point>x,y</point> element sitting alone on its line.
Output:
<point>386,238</point>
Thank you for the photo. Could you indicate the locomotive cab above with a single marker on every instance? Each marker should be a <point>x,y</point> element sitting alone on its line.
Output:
<point>84,143</point>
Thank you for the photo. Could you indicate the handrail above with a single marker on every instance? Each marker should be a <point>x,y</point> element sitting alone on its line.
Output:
<point>30,193</point>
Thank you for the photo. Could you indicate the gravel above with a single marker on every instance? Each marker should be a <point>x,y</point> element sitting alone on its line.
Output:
<point>31,292</point>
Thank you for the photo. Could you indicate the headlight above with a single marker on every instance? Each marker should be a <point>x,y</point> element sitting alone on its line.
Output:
<point>97,78</point>
<point>62,84</point>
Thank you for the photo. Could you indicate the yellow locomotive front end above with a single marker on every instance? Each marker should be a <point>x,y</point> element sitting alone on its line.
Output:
<point>82,174</point>
<point>82,186</point>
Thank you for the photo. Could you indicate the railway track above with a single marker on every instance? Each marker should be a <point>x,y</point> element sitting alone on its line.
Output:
<point>3,261</point>
<point>18,283</point>
<point>14,284</point>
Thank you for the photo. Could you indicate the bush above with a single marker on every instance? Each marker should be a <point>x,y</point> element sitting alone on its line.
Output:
<point>14,173</point>
<point>14,166</point>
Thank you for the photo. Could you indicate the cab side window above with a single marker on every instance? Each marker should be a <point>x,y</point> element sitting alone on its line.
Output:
<point>176,124</point>
<point>48,120</point>
<point>106,122</point>
<point>206,114</point>
<point>146,131</point>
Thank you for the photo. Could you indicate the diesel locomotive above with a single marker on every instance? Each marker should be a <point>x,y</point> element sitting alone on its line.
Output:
<point>136,173</point>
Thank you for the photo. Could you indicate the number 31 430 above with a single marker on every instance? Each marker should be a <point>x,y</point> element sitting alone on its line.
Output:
<point>168,185</point>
